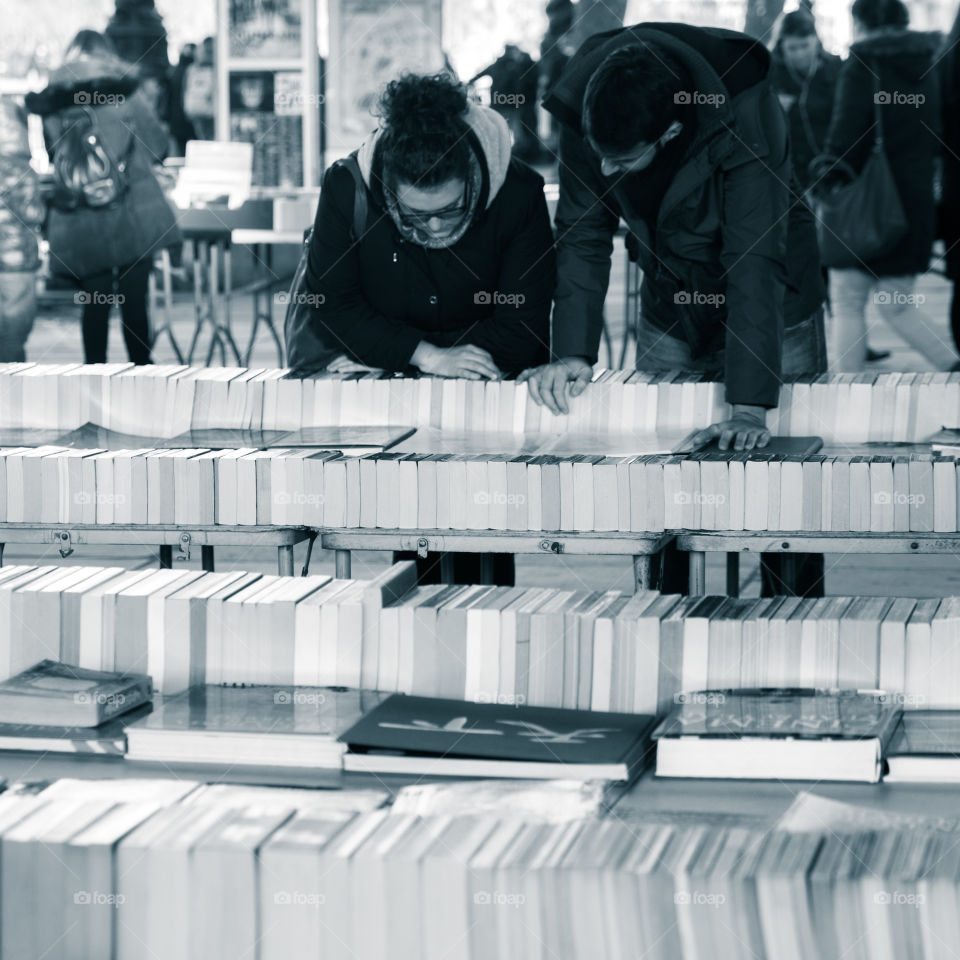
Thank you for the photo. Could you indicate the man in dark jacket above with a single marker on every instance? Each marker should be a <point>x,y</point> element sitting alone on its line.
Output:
<point>685,140</point>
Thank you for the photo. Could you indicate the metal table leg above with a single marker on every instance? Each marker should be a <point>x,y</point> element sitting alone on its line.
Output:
<point>342,559</point>
<point>486,568</point>
<point>698,573</point>
<point>733,574</point>
<point>285,560</point>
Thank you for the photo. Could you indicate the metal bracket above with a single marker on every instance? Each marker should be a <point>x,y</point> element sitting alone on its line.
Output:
<point>184,547</point>
<point>423,548</point>
<point>65,543</point>
<point>551,546</point>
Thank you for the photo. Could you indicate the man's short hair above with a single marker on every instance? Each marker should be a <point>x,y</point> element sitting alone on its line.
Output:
<point>631,98</point>
<point>878,14</point>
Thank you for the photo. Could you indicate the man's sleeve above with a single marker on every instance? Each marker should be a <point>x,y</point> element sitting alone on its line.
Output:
<point>755,223</point>
<point>587,219</point>
<point>343,316</point>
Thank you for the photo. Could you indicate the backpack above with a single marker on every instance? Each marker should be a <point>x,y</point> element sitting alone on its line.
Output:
<point>85,174</point>
<point>308,352</point>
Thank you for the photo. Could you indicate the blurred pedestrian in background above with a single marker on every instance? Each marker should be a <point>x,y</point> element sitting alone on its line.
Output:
<point>513,94</point>
<point>950,198</point>
<point>181,129</point>
<point>199,91</point>
<point>890,70</point>
<point>21,214</point>
<point>805,78</point>
<point>108,215</point>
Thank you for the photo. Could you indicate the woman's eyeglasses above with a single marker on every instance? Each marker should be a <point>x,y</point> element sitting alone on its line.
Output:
<point>421,219</point>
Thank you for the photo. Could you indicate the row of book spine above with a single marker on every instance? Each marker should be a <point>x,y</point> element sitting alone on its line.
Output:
<point>524,645</point>
<point>96,878</point>
<point>845,408</point>
<point>410,491</point>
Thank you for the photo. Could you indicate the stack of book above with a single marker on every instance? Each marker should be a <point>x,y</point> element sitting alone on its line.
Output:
<point>848,408</point>
<point>309,486</point>
<point>534,645</point>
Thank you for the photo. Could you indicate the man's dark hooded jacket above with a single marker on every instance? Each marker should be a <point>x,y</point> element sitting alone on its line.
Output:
<point>726,225</point>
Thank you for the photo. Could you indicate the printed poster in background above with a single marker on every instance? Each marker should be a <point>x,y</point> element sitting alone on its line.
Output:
<point>373,42</point>
<point>265,29</point>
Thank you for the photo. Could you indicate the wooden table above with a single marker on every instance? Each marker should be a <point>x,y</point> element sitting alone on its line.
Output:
<point>735,542</point>
<point>68,536</point>
<point>642,547</point>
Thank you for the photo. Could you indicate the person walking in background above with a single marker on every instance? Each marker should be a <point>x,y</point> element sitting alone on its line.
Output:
<point>950,197</point>
<point>21,214</point>
<point>199,91</point>
<point>138,36</point>
<point>513,94</point>
<point>181,129</point>
<point>108,215</point>
<point>892,68</point>
<point>805,78</point>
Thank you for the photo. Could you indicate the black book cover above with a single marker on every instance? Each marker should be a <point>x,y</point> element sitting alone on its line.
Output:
<point>427,726</point>
<point>778,447</point>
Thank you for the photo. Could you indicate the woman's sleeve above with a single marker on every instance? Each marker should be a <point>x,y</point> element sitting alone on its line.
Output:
<point>343,315</point>
<point>517,335</point>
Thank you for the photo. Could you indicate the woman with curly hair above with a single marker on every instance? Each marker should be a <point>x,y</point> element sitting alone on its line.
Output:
<point>453,271</point>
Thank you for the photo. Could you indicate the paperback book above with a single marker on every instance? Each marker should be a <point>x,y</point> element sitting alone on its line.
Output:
<point>250,725</point>
<point>925,748</point>
<point>52,694</point>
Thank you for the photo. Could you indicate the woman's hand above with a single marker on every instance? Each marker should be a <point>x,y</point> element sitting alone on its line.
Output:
<point>467,362</point>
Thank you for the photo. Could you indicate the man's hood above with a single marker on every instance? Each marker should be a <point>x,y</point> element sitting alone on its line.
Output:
<point>490,139</point>
<point>720,63</point>
<point>909,52</point>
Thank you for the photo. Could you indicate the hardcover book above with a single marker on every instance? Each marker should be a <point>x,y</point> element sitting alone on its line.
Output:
<point>783,734</point>
<point>407,734</point>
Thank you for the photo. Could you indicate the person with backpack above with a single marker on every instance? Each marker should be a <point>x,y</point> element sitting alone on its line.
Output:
<point>448,269</point>
<point>108,215</point>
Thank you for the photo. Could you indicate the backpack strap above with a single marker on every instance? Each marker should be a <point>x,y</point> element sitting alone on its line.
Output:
<point>359,196</point>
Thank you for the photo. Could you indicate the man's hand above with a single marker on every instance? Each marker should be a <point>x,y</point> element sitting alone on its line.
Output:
<point>468,361</point>
<point>552,383</point>
<point>745,430</point>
